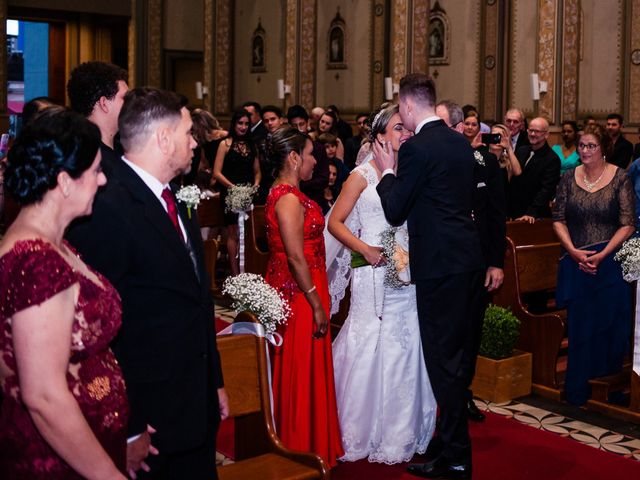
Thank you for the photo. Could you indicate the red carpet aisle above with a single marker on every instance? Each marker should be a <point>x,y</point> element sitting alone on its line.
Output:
<point>504,449</point>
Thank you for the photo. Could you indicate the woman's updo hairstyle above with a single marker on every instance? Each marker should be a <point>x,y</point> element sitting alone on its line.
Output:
<point>603,138</point>
<point>56,141</point>
<point>281,144</point>
<point>379,119</point>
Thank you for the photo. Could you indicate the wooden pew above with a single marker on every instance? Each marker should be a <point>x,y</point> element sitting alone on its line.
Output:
<point>258,450</point>
<point>532,268</point>
<point>255,254</point>
<point>523,233</point>
<point>211,212</point>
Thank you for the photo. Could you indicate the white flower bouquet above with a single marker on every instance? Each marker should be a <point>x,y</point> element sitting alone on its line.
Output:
<point>239,198</point>
<point>395,248</point>
<point>190,195</point>
<point>629,257</point>
<point>250,292</point>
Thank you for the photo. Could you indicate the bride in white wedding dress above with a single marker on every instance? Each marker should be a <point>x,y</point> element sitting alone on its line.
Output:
<point>386,406</point>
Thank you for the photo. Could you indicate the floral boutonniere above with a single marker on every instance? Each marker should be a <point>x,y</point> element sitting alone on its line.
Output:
<point>479,158</point>
<point>190,196</point>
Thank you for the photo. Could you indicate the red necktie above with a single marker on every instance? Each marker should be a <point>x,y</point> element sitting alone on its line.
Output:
<point>172,210</point>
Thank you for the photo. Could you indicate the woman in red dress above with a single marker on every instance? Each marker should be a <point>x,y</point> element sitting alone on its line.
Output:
<point>64,413</point>
<point>303,388</point>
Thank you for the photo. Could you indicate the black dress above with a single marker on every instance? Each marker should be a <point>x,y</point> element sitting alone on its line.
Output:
<point>238,169</point>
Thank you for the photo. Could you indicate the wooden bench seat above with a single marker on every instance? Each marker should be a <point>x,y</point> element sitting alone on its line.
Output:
<point>256,255</point>
<point>259,453</point>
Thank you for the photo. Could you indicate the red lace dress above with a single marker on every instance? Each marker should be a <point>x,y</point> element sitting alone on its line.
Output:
<point>32,272</point>
<point>303,387</point>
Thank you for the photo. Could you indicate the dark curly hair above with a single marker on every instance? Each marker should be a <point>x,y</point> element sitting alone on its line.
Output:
<point>56,141</point>
<point>91,80</point>
<point>281,144</point>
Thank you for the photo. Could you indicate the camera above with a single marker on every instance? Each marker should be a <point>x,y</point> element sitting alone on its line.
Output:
<point>491,138</point>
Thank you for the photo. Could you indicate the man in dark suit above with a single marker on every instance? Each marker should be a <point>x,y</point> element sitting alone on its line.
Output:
<point>96,90</point>
<point>515,120</point>
<point>489,215</point>
<point>531,192</point>
<point>150,249</point>
<point>622,149</point>
<point>433,191</point>
<point>258,130</point>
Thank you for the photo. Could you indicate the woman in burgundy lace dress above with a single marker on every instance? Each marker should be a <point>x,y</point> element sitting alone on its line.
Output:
<point>64,412</point>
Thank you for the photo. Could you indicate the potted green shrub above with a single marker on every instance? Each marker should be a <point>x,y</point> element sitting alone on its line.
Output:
<point>502,373</point>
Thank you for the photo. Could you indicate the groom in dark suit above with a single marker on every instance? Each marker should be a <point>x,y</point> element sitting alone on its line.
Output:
<point>150,249</point>
<point>433,190</point>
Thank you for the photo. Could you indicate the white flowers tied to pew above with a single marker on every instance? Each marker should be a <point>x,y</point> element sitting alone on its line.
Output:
<point>190,196</point>
<point>629,257</point>
<point>250,292</point>
<point>239,198</point>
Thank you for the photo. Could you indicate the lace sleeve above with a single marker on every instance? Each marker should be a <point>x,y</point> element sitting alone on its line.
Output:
<point>561,196</point>
<point>32,272</point>
<point>627,201</point>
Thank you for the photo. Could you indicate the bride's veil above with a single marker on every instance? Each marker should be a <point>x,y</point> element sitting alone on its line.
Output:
<point>338,257</point>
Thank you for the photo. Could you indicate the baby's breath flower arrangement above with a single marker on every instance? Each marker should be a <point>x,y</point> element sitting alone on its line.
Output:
<point>239,198</point>
<point>629,257</point>
<point>190,195</point>
<point>250,292</point>
<point>394,242</point>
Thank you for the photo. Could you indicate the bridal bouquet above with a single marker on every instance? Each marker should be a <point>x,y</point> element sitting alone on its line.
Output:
<point>190,196</point>
<point>395,248</point>
<point>629,257</point>
<point>239,198</point>
<point>250,292</point>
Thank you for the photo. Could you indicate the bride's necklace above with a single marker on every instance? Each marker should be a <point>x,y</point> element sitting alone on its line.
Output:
<point>591,185</point>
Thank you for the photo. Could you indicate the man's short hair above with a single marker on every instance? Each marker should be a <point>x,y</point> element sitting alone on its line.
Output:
<point>256,106</point>
<point>328,139</point>
<point>271,108</point>
<point>616,116</point>
<point>420,87</point>
<point>516,110</point>
<point>143,107</point>
<point>456,115</point>
<point>297,111</point>
<point>90,81</point>
<point>360,115</point>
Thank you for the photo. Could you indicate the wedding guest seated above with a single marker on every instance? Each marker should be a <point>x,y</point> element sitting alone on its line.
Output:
<point>65,412</point>
<point>330,193</point>
<point>343,128</point>
<point>258,130</point>
<point>567,151</point>
<point>327,124</point>
<point>592,217</point>
<point>330,143</point>
<point>484,128</point>
<point>208,134</point>
<point>352,145</point>
<point>314,119</point>
<point>621,148</point>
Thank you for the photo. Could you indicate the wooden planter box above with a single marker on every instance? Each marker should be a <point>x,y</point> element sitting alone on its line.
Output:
<point>502,380</point>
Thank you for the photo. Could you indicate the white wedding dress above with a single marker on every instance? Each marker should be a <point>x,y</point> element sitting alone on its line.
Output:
<point>386,406</point>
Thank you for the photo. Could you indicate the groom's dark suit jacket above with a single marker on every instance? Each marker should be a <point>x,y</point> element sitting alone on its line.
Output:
<point>433,190</point>
<point>166,346</point>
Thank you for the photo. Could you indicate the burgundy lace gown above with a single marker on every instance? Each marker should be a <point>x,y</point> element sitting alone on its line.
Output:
<point>32,272</point>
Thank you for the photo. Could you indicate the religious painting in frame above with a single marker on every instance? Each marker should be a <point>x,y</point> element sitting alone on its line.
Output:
<point>336,43</point>
<point>439,36</point>
<point>258,50</point>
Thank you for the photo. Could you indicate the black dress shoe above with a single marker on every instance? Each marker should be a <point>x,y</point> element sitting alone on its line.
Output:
<point>473,413</point>
<point>440,468</point>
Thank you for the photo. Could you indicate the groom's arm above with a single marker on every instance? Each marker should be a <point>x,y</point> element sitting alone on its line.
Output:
<point>398,193</point>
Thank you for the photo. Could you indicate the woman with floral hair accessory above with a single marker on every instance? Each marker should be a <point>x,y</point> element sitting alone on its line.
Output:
<point>385,403</point>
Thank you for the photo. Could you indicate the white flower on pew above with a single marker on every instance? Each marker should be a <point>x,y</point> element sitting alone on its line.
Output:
<point>629,258</point>
<point>190,195</point>
<point>250,292</point>
<point>239,198</point>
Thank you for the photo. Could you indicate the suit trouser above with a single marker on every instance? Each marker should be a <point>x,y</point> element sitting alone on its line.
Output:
<point>449,313</point>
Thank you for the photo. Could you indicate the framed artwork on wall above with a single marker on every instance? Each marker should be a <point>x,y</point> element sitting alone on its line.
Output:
<point>336,44</point>
<point>439,36</point>
<point>258,50</point>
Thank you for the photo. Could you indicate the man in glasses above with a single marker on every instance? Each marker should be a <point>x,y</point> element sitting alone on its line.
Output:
<point>531,192</point>
<point>514,119</point>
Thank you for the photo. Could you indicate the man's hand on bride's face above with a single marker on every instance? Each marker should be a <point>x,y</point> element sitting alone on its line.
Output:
<point>383,155</point>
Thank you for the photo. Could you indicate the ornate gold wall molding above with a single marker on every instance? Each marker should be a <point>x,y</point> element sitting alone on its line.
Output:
<point>154,43</point>
<point>570,54</point>
<point>399,39</point>
<point>420,44</point>
<point>209,53</point>
<point>223,56</point>
<point>131,45</point>
<point>308,25</point>
<point>377,53</point>
<point>634,68</point>
<point>547,45</point>
<point>491,62</point>
<point>291,46</point>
